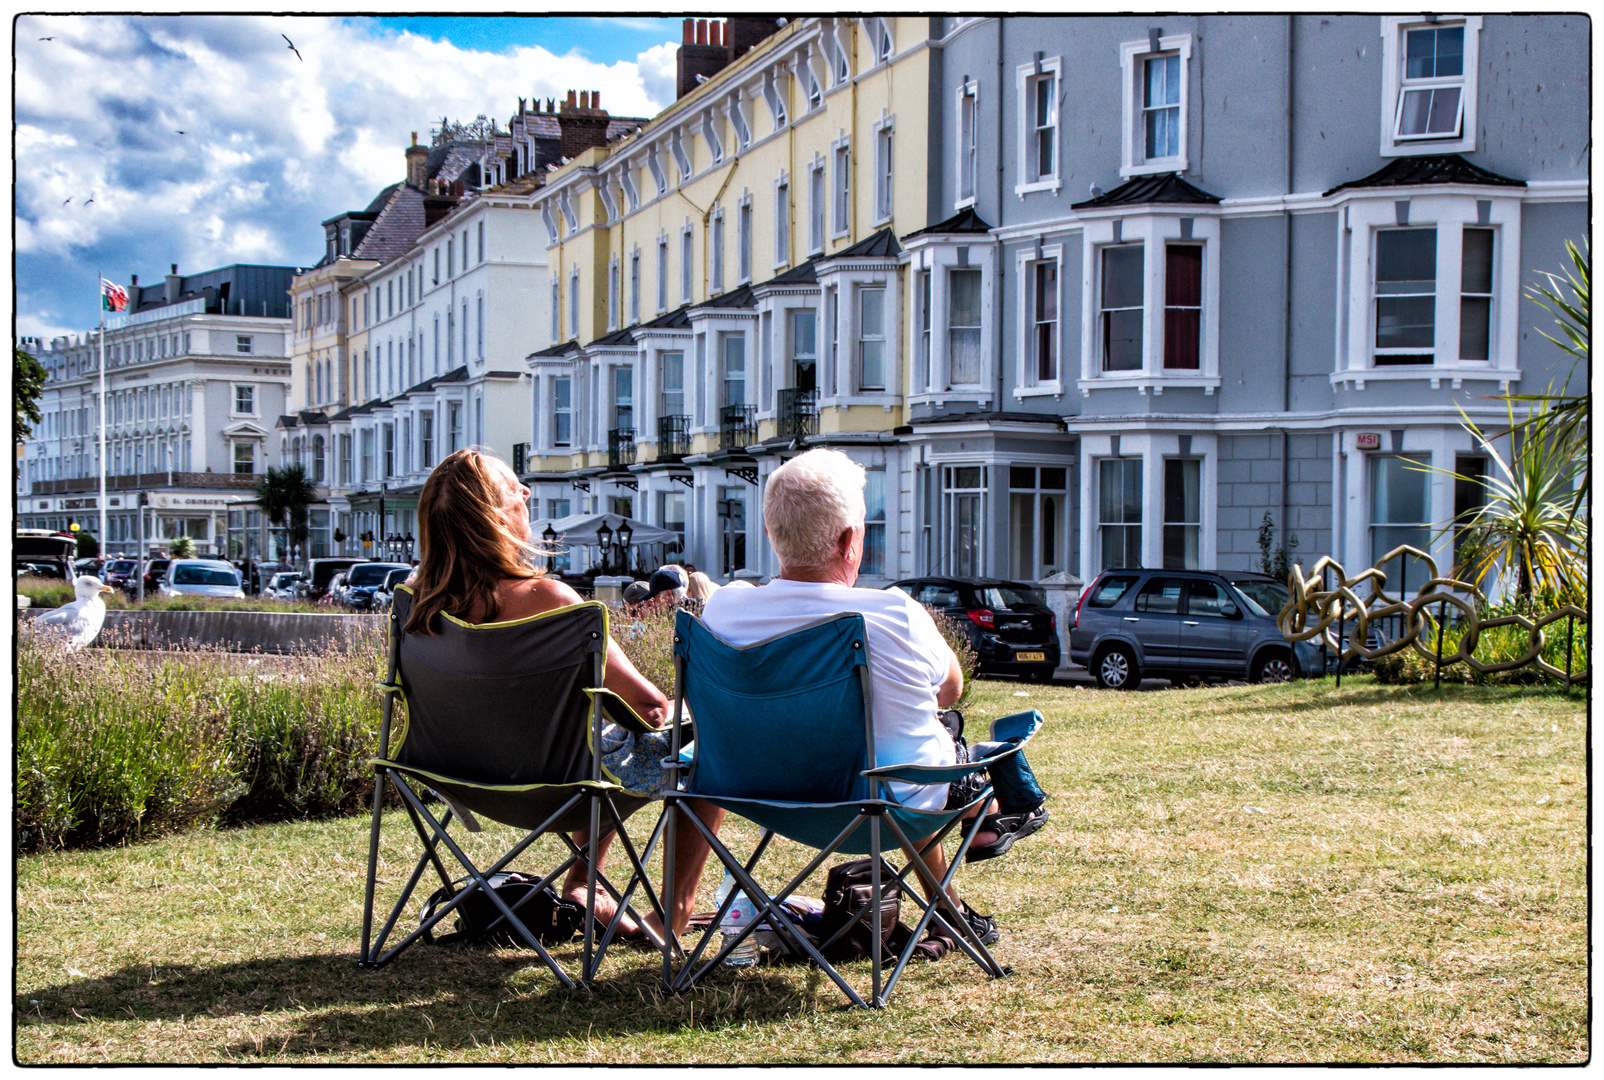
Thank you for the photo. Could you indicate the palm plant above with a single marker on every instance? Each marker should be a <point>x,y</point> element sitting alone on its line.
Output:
<point>1525,525</point>
<point>1568,417</point>
<point>286,496</point>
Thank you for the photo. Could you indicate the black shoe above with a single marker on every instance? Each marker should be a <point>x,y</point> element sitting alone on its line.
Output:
<point>1008,827</point>
<point>984,926</point>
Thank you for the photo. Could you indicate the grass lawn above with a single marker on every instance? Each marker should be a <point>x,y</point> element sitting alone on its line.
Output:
<point>1246,873</point>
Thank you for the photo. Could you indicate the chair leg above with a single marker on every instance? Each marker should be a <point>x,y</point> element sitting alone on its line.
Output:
<point>671,810</point>
<point>586,971</point>
<point>879,915</point>
<point>365,958</point>
<point>378,956</point>
<point>963,933</point>
<point>479,880</point>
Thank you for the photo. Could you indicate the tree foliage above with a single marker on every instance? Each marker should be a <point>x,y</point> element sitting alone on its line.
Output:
<point>286,496</point>
<point>27,384</point>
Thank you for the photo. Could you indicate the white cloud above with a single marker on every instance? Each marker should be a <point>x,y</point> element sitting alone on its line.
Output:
<point>271,147</point>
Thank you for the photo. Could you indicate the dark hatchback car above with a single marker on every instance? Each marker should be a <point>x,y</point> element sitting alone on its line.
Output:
<point>1188,626</point>
<point>362,579</point>
<point>1009,624</point>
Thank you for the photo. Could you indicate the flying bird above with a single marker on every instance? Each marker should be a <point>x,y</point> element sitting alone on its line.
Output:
<point>67,200</point>
<point>180,133</point>
<point>293,49</point>
<point>47,39</point>
<point>91,199</point>
<point>79,622</point>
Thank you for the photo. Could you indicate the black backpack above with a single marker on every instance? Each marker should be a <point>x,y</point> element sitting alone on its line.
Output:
<point>549,917</point>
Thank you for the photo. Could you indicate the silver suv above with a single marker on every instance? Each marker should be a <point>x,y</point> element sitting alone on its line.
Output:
<point>1189,626</point>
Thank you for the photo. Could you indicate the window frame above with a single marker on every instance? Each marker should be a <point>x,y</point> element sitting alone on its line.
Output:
<point>250,390</point>
<point>1393,85</point>
<point>840,187</point>
<point>1133,70</point>
<point>885,150</point>
<point>1026,77</point>
<point>744,227</point>
<point>1154,232</point>
<point>968,155</point>
<point>817,196</point>
<point>782,220</point>
<point>715,250</point>
<point>861,337</point>
<point>1027,381</point>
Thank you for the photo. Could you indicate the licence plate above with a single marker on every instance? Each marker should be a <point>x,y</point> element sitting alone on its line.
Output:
<point>1023,656</point>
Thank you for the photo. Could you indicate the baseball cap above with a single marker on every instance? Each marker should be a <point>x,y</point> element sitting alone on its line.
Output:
<point>664,580</point>
<point>636,591</point>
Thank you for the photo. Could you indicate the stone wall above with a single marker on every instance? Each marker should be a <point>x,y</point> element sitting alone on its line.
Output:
<point>1251,473</point>
<point>240,631</point>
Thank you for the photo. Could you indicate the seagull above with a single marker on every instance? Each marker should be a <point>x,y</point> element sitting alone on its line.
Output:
<point>67,200</point>
<point>180,132</point>
<point>79,622</point>
<point>293,49</point>
<point>47,39</point>
<point>91,199</point>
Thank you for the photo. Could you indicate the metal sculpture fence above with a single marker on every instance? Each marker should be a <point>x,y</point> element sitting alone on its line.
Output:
<point>1315,609</point>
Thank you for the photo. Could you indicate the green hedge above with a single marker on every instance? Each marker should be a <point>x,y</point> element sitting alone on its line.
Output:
<point>118,744</point>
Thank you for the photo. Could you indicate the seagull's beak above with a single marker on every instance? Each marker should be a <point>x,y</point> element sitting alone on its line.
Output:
<point>107,588</point>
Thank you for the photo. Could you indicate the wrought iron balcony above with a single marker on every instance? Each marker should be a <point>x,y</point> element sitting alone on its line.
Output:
<point>620,447</point>
<point>798,412</point>
<point>134,482</point>
<point>673,436</point>
<point>737,427</point>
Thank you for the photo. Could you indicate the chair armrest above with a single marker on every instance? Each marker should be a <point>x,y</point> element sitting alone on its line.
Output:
<point>1016,730</point>
<point>1019,725</point>
<point>618,710</point>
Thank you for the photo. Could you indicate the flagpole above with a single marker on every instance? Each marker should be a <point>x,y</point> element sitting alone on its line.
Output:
<point>101,289</point>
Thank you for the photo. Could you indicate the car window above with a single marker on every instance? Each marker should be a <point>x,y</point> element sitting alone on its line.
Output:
<point>1009,599</point>
<point>1106,593</point>
<point>203,575</point>
<point>1264,597</point>
<point>368,574</point>
<point>939,596</point>
<point>395,578</point>
<point>1161,596</point>
<point>1206,598</point>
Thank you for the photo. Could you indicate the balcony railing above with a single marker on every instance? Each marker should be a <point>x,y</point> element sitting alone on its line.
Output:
<point>673,436</point>
<point>136,482</point>
<point>620,447</point>
<point>798,412</point>
<point>737,427</point>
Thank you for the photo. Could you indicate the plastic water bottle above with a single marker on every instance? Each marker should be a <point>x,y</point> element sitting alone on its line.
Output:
<point>736,919</point>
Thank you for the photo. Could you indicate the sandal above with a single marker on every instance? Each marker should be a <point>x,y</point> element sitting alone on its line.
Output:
<point>984,926</point>
<point>1008,827</point>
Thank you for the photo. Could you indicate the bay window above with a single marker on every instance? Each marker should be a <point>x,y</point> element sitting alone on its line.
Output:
<point>1120,308</point>
<point>1405,296</point>
<point>1119,512</point>
<point>1183,305</point>
<point>963,326</point>
<point>1183,512</point>
<point>874,522</point>
<point>871,338</point>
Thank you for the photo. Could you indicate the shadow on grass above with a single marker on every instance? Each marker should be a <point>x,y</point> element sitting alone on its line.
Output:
<point>462,998</point>
<point>1370,693</point>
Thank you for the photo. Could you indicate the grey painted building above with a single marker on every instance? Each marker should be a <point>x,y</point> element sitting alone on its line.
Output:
<point>1230,266</point>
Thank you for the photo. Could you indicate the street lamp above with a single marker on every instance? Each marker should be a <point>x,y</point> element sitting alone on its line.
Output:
<point>604,540</point>
<point>409,543</point>
<point>625,535</point>
<point>549,535</point>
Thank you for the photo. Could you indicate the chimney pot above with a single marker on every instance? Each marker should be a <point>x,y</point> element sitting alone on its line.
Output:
<point>414,138</point>
<point>701,31</point>
<point>571,99</point>
<point>688,32</point>
<point>715,33</point>
<point>175,268</point>
<point>595,99</point>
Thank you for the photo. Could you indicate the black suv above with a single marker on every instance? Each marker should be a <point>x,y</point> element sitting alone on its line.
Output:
<point>1188,626</point>
<point>1009,623</point>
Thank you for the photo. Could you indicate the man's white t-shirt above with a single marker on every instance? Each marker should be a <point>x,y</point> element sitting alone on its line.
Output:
<point>908,662</point>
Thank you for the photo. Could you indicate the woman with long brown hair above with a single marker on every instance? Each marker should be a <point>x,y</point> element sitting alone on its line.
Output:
<point>475,565</point>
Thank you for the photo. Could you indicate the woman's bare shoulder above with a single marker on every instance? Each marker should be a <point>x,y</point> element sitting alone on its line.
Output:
<point>532,596</point>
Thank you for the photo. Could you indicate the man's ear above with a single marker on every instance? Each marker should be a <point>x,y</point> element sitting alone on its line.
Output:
<point>843,543</point>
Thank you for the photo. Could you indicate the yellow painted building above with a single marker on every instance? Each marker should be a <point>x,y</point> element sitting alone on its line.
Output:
<point>726,287</point>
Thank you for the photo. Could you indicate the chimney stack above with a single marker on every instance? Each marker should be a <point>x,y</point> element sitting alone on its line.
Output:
<point>174,284</point>
<point>583,123</point>
<point>741,34</point>
<point>417,163</point>
<point>705,51</point>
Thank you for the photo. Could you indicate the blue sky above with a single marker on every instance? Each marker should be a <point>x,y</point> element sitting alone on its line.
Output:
<point>203,141</point>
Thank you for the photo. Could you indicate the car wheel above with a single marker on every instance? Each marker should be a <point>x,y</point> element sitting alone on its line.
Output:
<point>1273,667</point>
<point>1116,669</point>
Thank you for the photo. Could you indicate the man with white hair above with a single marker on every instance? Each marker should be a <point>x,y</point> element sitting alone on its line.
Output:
<point>813,512</point>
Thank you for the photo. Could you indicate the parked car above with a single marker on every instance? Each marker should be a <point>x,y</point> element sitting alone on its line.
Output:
<point>361,581</point>
<point>119,572</point>
<point>155,570</point>
<point>1188,626</point>
<point>1009,624</point>
<point>262,572</point>
<point>285,585</point>
<point>200,577</point>
<point>384,595</point>
<point>320,573</point>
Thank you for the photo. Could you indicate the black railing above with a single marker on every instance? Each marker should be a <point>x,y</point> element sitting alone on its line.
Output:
<point>673,436</point>
<point>620,447</point>
<point>798,412</point>
<point>133,482</point>
<point>737,427</point>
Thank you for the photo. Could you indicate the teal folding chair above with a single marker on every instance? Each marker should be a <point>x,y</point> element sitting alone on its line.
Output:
<point>502,720</point>
<point>785,739</point>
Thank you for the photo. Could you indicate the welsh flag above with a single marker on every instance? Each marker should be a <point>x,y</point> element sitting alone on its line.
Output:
<point>113,297</point>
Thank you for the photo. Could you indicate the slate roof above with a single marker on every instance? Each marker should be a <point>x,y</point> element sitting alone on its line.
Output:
<point>557,350</point>
<point>988,415</point>
<point>882,245</point>
<point>618,337</point>
<point>964,221</point>
<point>1158,188</point>
<point>1431,169</point>
<point>678,319</point>
<point>804,274</point>
<point>396,228</point>
<point>739,297</point>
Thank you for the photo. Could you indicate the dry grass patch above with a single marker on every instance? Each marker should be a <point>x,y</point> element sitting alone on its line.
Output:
<point>1240,874</point>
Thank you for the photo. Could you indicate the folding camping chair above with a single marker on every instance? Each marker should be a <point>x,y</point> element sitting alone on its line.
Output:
<point>785,739</point>
<point>503,720</point>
